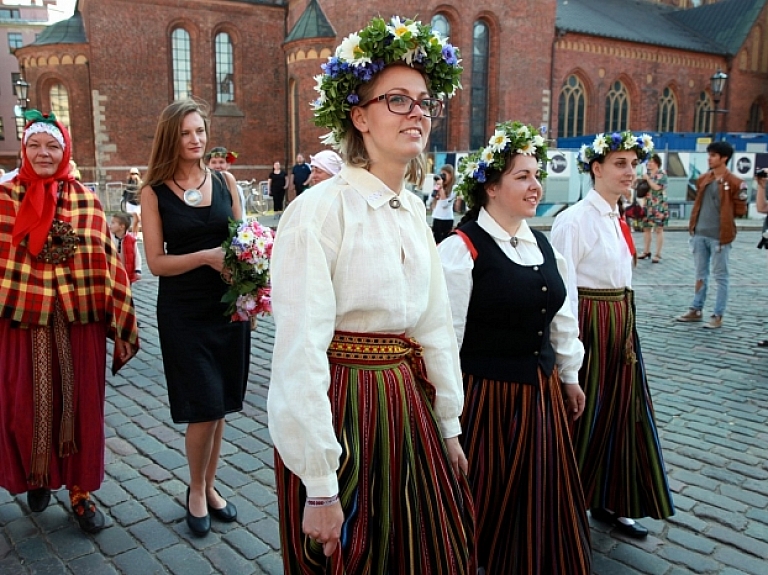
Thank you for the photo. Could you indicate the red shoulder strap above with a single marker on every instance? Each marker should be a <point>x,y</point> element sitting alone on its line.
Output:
<point>469,244</point>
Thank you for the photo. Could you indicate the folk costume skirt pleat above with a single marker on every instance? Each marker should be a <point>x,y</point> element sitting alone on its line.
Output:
<point>17,409</point>
<point>405,511</point>
<point>616,440</point>
<point>530,513</point>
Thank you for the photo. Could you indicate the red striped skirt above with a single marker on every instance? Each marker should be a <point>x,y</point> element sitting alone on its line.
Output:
<point>405,510</point>
<point>616,440</point>
<point>530,513</point>
<point>17,409</point>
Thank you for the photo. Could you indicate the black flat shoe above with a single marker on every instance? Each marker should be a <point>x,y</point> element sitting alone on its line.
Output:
<point>88,516</point>
<point>635,531</point>
<point>38,499</point>
<point>227,514</point>
<point>761,343</point>
<point>199,526</point>
<point>644,256</point>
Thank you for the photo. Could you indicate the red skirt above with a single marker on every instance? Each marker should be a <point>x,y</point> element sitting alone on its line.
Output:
<point>17,409</point>
<point>405,511</point>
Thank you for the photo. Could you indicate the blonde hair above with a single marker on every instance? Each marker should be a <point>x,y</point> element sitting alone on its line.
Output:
<point>165,148</point>
<point>352,147</point>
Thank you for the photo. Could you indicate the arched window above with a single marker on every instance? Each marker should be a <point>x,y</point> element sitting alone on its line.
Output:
<point>702,121</point>
<point>60,103</point>
<point>756,121</point>
<point>438,139</point>
<point>571,109</point>
<point>667,111</point>
<point>182,64</point>
<point>225,69</point>
<point>479,98</point>
<point>617,108</point>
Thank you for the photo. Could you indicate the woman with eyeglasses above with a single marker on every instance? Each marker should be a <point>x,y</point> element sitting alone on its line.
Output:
<point>366,392</point>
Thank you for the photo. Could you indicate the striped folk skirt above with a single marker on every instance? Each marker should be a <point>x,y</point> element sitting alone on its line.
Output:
<point>615,440</point>
<point>405,511</point>
<point>530,514</point>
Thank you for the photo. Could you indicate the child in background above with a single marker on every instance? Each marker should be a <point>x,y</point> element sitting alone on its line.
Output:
<point>127,248</point>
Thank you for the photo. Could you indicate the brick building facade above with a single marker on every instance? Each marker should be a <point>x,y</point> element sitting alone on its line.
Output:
<point>120,62</point>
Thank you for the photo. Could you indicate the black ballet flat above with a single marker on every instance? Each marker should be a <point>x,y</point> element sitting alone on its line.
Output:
<point>38,499</point>
<point>199,526</point>
<point>635,531</point>
<point>227,514</point>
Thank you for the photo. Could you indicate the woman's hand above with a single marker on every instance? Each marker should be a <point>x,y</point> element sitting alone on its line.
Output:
<point>124,350</point>
<point>214,257</point>
<point>574,399</point>
<point>456,455</point>
<point>323,524</point>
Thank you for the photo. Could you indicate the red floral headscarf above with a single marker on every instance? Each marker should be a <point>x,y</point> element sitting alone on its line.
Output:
<point>38,207</point>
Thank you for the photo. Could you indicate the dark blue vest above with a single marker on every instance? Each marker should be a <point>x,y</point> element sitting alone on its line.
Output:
<point>507,332</point>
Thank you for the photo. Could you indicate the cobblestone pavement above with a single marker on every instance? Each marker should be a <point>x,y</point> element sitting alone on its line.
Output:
<point>711,398</point>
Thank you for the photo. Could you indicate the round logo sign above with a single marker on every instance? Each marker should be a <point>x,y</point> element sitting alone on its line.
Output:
<point>558,163</point>
<point>744,165</point>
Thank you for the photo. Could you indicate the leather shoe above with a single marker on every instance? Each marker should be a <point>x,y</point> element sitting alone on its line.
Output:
<point>38,499</point>
<point>635,531</point>
<point>88,516</point>
<point>227,514</point>
<point>199,526</point>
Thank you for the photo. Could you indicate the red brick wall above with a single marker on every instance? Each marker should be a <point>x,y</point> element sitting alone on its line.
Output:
<point>520,50</point>
<point>130,41</point>
<point>599,62</point>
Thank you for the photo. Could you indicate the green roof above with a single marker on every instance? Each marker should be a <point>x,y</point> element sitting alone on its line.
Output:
<point>719,28</point>
<point>312,24</point>
<point>727,23</point>
<point>70,31</point>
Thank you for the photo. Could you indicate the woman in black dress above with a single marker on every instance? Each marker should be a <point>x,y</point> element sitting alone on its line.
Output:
<point>278,181</point>
<point>205,356</point>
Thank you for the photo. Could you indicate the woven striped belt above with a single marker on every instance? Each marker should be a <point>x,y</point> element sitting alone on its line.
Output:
<point>380,350</point>
<point>617,295</point>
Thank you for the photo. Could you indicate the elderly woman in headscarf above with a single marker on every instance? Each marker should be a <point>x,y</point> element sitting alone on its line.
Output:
<point>324,165</point>
<point>64,291</point>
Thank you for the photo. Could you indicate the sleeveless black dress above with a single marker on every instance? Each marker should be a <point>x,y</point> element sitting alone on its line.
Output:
<point>205,355</point>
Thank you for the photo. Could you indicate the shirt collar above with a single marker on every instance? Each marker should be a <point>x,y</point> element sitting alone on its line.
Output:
<point>603,207</point>
<point>373,190</point>
<point>491,226</point>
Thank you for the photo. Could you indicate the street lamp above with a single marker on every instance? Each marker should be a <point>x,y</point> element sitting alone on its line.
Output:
<point>22,91</point>
<point>717,86</point>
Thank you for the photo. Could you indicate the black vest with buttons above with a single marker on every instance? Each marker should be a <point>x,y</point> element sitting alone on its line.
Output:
<point>507,332</point>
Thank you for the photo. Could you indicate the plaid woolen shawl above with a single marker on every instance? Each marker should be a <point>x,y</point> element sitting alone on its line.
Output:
<point>92,285</point>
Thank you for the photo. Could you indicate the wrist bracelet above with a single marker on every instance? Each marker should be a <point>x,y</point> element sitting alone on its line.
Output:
<point>321,502</point>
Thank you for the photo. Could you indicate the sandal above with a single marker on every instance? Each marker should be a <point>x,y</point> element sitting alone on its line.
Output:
<point>656,260</point>
<point>644,256</point>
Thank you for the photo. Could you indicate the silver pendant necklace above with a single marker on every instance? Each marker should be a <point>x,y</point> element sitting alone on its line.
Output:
<point>192,196</point>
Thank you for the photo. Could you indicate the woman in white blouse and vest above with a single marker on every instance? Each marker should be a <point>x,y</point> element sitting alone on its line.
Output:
<point>616,441</point>
<point>520,357</point>
<point>365,395</point>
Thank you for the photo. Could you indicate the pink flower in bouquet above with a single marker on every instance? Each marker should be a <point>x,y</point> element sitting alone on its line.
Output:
<point>247,253</point>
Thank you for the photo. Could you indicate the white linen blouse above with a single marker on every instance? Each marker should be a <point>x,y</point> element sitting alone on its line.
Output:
<point>344,259</point>
<point>589,236</point>
<point>458,265</point>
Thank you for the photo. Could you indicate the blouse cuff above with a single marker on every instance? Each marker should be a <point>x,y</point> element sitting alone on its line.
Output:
<point>569,377</point>
<point>326,486</point>
<point>450,427</point>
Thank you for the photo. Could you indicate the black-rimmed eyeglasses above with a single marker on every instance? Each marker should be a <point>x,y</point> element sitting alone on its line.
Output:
<point>403,105</point>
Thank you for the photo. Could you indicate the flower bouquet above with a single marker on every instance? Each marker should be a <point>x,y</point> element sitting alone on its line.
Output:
<point>246,268</point>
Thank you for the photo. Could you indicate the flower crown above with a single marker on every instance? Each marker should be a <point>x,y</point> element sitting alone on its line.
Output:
<point>616,142</point>
<point>363,54</point>
<point>509,137</point>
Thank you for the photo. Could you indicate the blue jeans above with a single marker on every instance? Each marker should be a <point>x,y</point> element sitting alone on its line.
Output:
<point>706,250</point>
